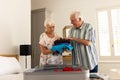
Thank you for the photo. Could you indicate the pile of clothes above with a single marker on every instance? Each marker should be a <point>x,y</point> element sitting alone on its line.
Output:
<point>68,68</point>
<point>61,45</point>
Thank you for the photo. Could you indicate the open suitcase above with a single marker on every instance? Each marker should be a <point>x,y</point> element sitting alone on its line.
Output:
<point>55,72</point>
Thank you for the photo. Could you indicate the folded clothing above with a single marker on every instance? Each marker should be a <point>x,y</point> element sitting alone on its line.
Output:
<point>60,47</point>
<point>68,68</point>
<point>57,42</point>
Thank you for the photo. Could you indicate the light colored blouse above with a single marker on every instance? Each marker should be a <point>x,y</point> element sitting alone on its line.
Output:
<point>50,58</point>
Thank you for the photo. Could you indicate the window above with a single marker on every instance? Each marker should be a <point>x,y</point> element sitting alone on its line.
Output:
<point>109,33</point>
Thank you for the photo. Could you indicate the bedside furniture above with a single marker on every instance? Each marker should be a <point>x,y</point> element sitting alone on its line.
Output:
<point>25,62</point>
<point>25,56</point>
<point>67,59</point>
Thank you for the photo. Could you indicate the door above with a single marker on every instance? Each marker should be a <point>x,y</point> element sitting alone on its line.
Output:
<point>37,27</point>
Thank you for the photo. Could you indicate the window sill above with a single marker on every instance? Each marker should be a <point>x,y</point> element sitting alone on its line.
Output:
<point>109,61</point>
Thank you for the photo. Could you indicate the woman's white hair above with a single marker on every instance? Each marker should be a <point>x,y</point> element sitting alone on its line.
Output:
<point>49,22</point>
<point>76,14</point>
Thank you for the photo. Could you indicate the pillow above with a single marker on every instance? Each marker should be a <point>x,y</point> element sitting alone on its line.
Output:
<point>9,65</point>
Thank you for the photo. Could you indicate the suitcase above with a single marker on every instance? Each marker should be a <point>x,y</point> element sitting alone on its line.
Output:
<point>50,73</point>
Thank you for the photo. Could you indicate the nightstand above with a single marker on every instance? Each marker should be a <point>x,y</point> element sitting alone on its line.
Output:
<point>25,62</point>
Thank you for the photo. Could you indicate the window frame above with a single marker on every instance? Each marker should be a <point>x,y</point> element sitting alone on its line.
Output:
<point>112,57</point>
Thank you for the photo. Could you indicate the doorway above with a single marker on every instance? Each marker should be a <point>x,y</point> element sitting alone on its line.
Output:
<point>37,27</point>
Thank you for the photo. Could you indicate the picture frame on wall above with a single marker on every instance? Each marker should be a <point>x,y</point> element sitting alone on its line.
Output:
<point>66,31</point>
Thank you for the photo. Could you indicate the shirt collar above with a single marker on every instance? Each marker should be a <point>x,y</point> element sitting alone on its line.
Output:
<point>81,26</point>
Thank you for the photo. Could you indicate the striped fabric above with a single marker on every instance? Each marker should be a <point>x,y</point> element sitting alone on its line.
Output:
<point>84,56</point>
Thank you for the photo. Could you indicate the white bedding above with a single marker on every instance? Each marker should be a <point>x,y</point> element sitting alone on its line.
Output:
<point>10,69</point>
<point>9,65</point>
<point>12,77</point>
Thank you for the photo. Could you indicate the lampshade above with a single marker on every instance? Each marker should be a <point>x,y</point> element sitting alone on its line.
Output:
<point>25,49</point>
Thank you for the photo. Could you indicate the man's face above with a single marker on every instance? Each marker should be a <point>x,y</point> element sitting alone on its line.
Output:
<point>75,22</point>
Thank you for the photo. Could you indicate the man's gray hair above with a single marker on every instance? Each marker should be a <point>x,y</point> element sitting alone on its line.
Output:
<point>49,22</point>
<point>76,14</point>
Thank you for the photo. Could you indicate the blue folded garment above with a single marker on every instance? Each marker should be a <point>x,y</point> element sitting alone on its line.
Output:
<point>60,47</point>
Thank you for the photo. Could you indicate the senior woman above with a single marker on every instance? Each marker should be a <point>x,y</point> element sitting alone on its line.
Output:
<point>46,41</point>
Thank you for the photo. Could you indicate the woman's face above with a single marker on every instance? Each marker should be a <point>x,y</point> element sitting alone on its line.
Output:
<point>50,28</point>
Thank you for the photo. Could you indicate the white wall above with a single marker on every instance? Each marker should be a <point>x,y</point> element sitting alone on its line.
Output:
<point>14,25</point>
<point>62,8</point>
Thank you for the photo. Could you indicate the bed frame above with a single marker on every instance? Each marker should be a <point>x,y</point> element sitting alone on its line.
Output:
<point>11,55</point>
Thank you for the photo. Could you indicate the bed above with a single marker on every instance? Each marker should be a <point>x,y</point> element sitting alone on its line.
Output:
<point>12,77</point>
<point>10,68</point>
